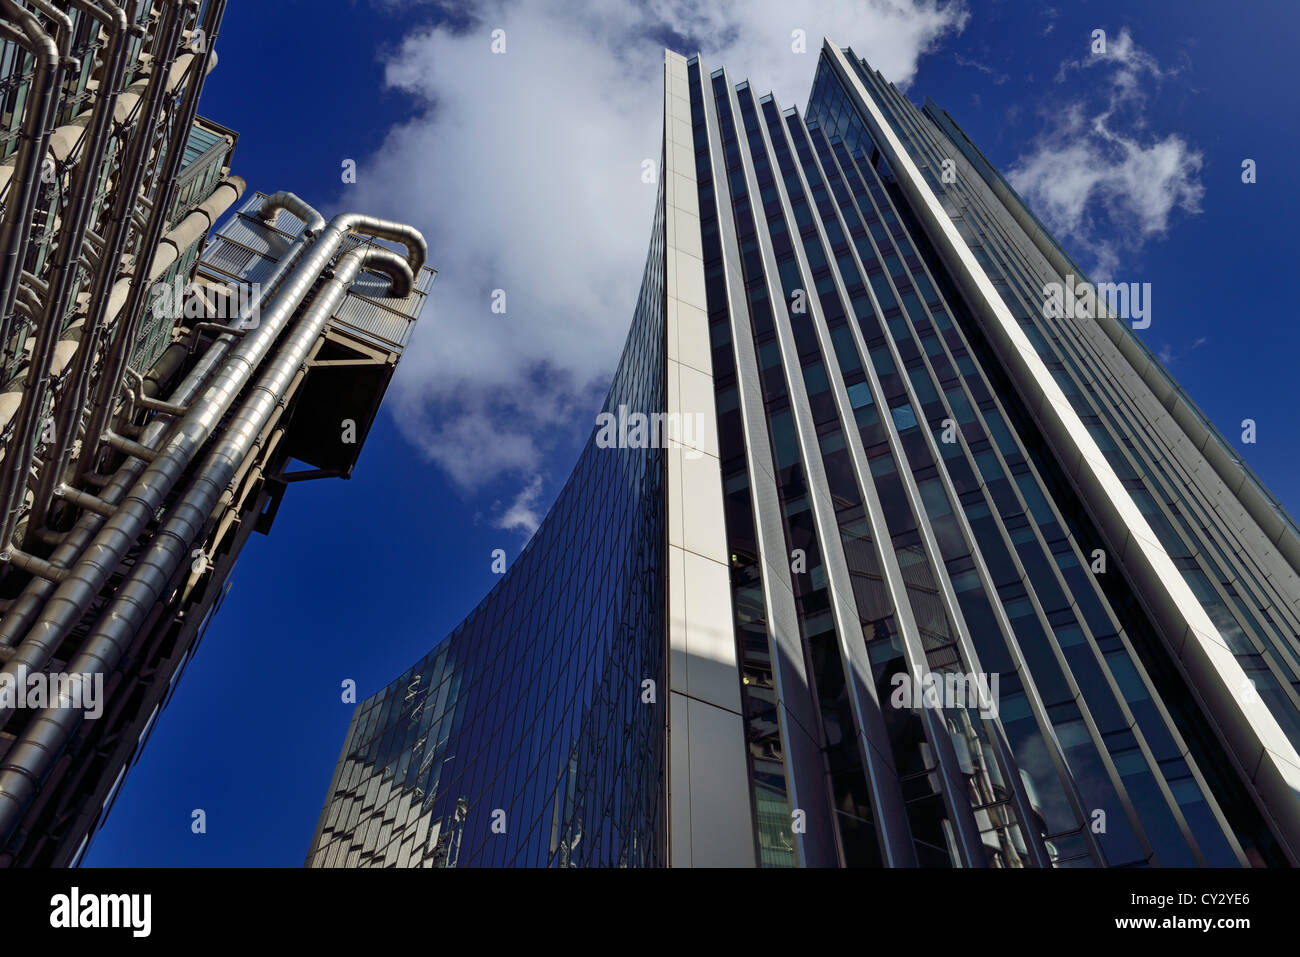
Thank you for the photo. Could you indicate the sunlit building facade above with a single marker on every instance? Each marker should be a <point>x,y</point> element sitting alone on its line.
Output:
<point>952,578</point>
<point>159,389</point>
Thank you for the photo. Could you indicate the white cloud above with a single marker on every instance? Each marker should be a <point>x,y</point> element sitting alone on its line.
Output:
<point>523,171</point>
<point>1168,356</point>
<point>1129,64</point>
<point>998,76</point>
<point>1096,177</point>
<point>524,514</point>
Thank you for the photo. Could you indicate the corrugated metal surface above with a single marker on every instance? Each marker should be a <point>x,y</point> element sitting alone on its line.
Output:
<point>251,233</point>
<point>247,249</point>
<point>223,259</point>
<point>228,257</point>
<point>375,288</point>
<point>374,316</point>
<point>284,220</point>
<point>374,323</point>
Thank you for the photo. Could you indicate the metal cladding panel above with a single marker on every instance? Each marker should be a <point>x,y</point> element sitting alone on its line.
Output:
<point>284,220</point>
<point>374,322</point>
<point>224,259</point>
<point>249,249</point>
<point>703,667</point>
<point>256,236</point>
<point>375,288</point>
<point>935,314</point>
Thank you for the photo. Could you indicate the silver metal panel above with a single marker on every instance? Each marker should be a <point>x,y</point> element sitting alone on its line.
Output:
<point>806,781</point>
<point>946,594</point>
<point>284,220</point>
<point>256,236</point>
<point>703,662</point>
<point>891,819</point>
<point>1260,745</point>
<point>722,833</point>
<point>374,322</point>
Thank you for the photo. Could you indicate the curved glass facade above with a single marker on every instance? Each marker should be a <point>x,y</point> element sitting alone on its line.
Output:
<point>523,739</point>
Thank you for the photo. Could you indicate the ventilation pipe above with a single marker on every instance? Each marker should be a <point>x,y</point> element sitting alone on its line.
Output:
<point>110,379</point>
<point>125,197</point>
<point>19,616</point>
<point>63,271</point>
<point>174,243</point>
<point>35,752</point>
<point>16,227</point>
<point>85,579</point>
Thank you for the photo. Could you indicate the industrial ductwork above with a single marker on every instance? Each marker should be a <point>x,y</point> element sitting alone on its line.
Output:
<point>38,747</point>
<point>73,596</point>
<point>18,618</point>
<point>15,228</point>
<point>110,469</point>
<point>15,469</point>
<point>63,275</point>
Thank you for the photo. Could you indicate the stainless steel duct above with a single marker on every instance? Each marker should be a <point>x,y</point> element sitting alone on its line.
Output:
<point>35,752</point>
<point>16,227</point>
<point>54,13</point>
<point>76,592</point>
<point>110,379</point>
<point>174,242</point>
<point>19,616</point>
<point>64,270</point>
<point>125,198</point>
<point>295,206</point>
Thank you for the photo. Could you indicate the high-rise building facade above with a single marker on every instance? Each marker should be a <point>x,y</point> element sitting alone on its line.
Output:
<point>949,572</point>
<point>156,389</point>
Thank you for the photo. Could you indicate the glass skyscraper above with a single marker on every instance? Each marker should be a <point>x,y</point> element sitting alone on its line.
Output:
<point>944,575</point>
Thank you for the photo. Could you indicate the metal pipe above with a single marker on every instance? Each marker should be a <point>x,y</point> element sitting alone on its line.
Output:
<point>35,565</point>
<point>128,322</point>
<point>197,330</point>
<point>19,616</point>
<point>129,446</point>
<point>70,601</point>
<point>296,206</point>
<point>84,500</point>
<point>35,752</point>
<point>30,297</point>
<point>225,194</point>
<point>138,400</point>
<point>24,307</point>
<point>38,285</point>
<point>16,227</point>
<point>65,25</point>
<point>180,237</point>
<point>125,196</point>
<point>63,277</point>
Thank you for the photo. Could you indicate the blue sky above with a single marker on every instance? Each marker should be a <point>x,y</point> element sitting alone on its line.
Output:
<point>524,172</point>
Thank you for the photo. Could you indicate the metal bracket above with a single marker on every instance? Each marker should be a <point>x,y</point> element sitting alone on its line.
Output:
<point>133,449</point>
